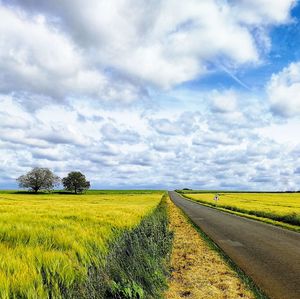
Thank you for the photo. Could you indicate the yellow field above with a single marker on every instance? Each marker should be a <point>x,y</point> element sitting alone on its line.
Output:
<point>53,239</point>
<point>283,207</point>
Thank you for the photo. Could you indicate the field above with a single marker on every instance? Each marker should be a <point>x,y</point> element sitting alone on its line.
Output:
<point>50,243</point>
<point>283,207</point>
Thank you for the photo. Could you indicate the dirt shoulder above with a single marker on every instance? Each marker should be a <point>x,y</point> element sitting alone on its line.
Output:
<point>197,270</point>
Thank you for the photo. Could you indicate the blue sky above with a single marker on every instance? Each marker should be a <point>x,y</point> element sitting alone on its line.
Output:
<point>152,94</point>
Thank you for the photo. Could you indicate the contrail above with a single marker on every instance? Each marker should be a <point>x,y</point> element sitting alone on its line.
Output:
<point>235,78</point>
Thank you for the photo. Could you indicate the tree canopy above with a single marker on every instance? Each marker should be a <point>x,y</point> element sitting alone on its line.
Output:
<point>76,182</point>
<point>38,179</point>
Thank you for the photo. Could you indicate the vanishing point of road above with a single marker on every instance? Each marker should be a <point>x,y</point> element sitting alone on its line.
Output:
<point>268,254</point>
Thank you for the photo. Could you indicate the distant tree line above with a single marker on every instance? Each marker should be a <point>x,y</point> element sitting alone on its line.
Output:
<point>44,179</point>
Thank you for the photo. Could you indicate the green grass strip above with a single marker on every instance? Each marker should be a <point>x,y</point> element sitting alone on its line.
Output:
<point>137,265</point>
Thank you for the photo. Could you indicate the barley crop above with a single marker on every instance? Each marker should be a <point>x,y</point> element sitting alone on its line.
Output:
<point>48,242</point>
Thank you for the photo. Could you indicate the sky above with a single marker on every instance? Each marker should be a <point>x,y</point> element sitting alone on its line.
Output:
<point>152,93</point>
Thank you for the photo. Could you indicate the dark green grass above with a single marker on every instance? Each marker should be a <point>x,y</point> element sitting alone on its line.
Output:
<point>137,265</point>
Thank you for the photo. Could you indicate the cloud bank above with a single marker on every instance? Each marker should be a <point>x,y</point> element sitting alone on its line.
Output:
<point>85,87</point>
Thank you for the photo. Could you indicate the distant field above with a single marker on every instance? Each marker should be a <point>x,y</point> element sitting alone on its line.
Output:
<point>49,242</point>
<point>284,207</point>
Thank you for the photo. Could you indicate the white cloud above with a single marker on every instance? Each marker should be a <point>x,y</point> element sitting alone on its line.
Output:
<point>161,43</point>
<point>225,101</point>
<point>221,160</point>
<point>283,91</point>
<point>285,133</point>
<point>164,126</point>
<point>256,12</point>
<point>213,139</point>
<point>63,58</point>
<point>122,148</point>
<point>36,58</point>
<point>113,134</point>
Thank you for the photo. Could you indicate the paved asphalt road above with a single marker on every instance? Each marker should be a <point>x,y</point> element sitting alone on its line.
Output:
<point>268,254</point>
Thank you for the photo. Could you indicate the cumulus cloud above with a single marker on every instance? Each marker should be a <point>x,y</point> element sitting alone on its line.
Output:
<point>166,127</point>
<point>38,59</point>
<point>123,151</point>
<point>224,102</point>
<point>69,70</point>
<point>162,43</point>
<point>185,124</point>
<point>256,12</point>
<point>113,134</point>
<point>51,154</point>
<point>283,91</point>
<point>213,138</point>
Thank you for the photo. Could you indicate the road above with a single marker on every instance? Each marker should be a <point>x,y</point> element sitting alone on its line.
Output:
<point>268,254</point>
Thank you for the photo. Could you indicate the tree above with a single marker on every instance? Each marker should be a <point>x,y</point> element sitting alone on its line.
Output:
<point>76,182</point>
<point>38,179</point>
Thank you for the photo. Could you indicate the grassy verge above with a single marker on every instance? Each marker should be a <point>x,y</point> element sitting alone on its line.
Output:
<point>137,264</point>
<point>190,191</point>
<point>255,215</point>
<point>200,268</point>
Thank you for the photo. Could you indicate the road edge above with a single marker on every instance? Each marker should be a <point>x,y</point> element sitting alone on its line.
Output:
<point>247,280</point>
<point>287,226</point>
